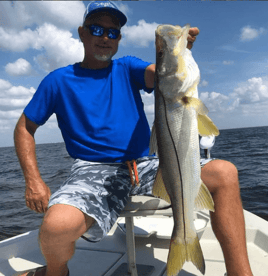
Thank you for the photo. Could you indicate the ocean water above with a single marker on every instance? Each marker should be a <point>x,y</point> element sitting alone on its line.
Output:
<point>247,148</point>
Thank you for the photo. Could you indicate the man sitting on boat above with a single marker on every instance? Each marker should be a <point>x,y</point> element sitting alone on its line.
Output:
<point>101,117</point>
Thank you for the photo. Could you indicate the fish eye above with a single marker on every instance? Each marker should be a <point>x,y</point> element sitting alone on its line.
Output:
<point>160,54</point>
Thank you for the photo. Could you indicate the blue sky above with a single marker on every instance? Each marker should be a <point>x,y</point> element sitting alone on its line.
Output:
<point>37,37</point>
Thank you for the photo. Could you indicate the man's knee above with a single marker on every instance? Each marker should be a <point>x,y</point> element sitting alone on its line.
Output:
<point>219,173</point>
<point>64,221</point>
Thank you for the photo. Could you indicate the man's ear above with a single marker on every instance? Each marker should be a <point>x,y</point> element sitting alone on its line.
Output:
<point>81,33</point>
<point>119,38</point>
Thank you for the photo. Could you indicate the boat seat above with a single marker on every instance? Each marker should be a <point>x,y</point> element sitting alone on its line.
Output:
<point>143,206</point>
<point>139,206</point>
<point>146,206</point>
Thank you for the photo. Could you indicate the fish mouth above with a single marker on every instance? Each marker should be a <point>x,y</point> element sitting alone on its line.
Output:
<point>159,43</point>
<point>170,37</point>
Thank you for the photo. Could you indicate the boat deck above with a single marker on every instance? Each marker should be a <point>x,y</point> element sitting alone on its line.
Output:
<point>104,258</point>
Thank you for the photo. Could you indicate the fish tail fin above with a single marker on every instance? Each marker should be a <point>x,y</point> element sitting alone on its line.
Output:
<point>180,252</point>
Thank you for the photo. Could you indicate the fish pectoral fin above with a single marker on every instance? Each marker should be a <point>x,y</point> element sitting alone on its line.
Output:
<point>204,199</point>
<point>206,127</point>
<point>198,105</point>
<point>180,252</point>
<point>159,189</point>
<point>153,142</point>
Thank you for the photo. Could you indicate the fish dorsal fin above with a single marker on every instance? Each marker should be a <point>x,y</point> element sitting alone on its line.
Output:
<point>159,189</point>
<point>206,127</point>
<point>204,199</point>
<point>153,142</point>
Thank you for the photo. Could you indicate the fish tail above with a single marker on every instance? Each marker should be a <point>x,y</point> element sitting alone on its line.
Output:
<point>180,252</point>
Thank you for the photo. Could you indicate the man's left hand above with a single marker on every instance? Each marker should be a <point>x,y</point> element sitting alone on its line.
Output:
<point>193,32</point>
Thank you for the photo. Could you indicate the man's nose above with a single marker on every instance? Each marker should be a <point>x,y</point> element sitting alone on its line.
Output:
<point>105,36</point>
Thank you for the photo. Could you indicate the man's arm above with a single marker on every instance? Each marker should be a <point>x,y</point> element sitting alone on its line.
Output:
<point>37,193</point>
<point>150,70</point>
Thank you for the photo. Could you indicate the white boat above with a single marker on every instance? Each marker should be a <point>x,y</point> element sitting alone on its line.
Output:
<point>152,244</point>
<point>111,256</point>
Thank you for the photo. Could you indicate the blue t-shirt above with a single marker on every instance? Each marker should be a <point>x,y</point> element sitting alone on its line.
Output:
<point>100,112</point>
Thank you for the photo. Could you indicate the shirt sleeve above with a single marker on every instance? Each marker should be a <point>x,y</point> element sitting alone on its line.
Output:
<point>42,104</point>
<point>137,70</point>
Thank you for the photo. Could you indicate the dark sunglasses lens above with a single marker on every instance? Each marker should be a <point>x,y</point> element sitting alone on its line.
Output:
<point>96,30</point>
<point>113,33</point>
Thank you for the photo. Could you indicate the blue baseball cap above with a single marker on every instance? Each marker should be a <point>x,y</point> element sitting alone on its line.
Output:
<point>105,6</point>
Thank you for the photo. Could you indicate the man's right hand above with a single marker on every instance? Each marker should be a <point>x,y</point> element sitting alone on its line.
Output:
<point>37,193</point>
<point>37,197</point>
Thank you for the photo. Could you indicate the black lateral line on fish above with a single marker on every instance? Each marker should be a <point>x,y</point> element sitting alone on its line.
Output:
<point>177,162</point>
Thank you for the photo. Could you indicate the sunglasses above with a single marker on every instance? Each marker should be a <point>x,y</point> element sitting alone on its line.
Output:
<point>99,31</point>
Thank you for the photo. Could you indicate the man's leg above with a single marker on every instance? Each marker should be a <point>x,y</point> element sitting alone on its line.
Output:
<point>221,178</point>
<point>61,227</point>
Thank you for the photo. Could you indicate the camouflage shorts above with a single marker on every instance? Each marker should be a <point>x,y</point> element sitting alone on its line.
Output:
<point>101,190</point>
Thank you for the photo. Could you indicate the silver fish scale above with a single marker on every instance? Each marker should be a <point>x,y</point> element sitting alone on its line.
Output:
<point>179,143</point>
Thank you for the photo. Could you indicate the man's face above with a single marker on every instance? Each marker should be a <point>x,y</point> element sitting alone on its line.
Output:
<point>100,47</point>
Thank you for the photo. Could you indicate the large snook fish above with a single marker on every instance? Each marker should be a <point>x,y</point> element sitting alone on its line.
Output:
<point>179,117</point>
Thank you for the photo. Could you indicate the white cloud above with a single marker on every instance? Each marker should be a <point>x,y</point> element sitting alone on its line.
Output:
<point>228,62</point>
<point>13,98</point>
<point>60,47</point>
<point>17,15</point>
<point>139,35</point>
<point>148,100</point>
<point>233,49</point>
<point>11,40</point>
<point>249,98</point>
<point>254,90</point>
<point>216,102</point>
<point>8,90</point>
<point>44,26</point>
<point>13,103</point>
<point>11,114</point>
<point>4,85</point>
<point>203,83</point>
<point>52,123</point>
<point>248,33</point>
<point>20,67</point>
<point>4,125</point>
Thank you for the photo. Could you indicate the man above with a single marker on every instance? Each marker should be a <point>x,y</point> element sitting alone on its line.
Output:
<point>100,114</point>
